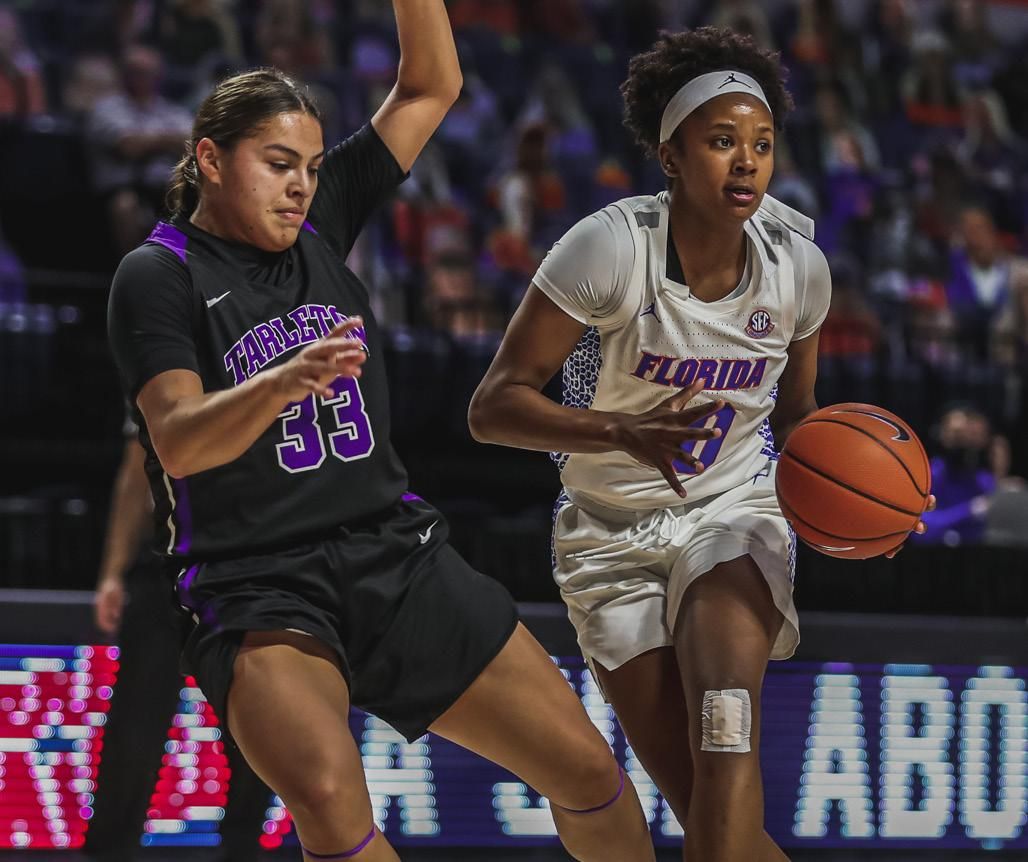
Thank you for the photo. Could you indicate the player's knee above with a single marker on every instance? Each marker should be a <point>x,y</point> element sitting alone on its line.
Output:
<point>589,778</point>
<point>726,717</point>
<point>328,792</point>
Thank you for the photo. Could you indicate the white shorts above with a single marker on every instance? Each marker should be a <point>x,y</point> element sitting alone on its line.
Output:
<point>623,573</point>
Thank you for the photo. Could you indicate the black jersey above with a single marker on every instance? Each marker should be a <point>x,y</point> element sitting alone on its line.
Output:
<point>189,300</point>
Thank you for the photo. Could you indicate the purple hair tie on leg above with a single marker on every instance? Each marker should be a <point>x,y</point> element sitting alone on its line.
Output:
<point>605,805</point>
<point>345,855</point>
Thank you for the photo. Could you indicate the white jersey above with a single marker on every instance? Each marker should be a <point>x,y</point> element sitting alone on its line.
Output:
<point>648,337</point>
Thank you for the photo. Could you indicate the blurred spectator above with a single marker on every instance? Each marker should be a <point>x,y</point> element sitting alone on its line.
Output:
<point>930,89</point>
<point>994,158</point>
<point>743,16</point>
<point>966,25</point>
<point>455,305</point>
<point>21,86</point>
<point>963,477</point>
<point>500,16</point>
<point>289,37</point>
<point>92,77</point>
<point>137,136</point>
<point>193,31</point>
<point>851,329</point>
<point>525,195</point>
<point>980,291</point>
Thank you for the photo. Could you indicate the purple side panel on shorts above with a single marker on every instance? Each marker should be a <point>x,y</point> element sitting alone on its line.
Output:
<point>308,227</point>
<point>408,497</point>
<point>170,237</point>
<point>185,584</point>
<point>183,516</point>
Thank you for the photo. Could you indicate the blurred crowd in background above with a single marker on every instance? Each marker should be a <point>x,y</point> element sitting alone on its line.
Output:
<point>908,146</point>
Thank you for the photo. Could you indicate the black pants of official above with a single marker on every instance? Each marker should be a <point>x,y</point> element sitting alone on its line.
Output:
<point>144,702</point>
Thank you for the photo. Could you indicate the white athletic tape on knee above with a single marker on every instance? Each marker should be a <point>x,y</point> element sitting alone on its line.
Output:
<point>727,719</point>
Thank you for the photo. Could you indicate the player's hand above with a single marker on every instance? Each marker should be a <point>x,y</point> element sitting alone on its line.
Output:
<point>656,436</point>
<point>918,528</point>
<point>108,604</point>
<point>338,354</point>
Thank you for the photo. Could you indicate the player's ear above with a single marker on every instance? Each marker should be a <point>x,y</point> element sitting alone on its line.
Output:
<point>667,158</point>
<point>209,160</point>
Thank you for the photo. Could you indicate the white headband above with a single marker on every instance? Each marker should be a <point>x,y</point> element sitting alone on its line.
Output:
<point>702,89</point>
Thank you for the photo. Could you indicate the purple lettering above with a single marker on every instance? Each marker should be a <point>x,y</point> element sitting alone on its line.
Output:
<point>234,363</point>
<point>321,315</point>
<point>740,370</point>
<point>662,371</point>
<point>707,372</point>
<point>646,363</point>
<point>255,358</point>
<point>288,338</point>
<point>299,317</point>
<point>722,374</point>
<point>758,374</point>
<point>685,374</point>
<point>269,341</point>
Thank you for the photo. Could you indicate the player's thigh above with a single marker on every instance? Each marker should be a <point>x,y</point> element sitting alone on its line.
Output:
<point>288,707</point>
<point>647,696</point>
<point>726,627</point>
<point>522,714</point>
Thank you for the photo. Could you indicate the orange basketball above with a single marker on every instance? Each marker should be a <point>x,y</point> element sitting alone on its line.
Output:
<point>853,480</point>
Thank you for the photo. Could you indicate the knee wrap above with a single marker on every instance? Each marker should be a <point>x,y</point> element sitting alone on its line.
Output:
<point>596,809</point>
<point>727,719</point>
<point>346,854</point>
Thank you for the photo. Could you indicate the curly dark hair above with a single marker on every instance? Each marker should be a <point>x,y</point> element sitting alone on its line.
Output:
<point>676,58</point>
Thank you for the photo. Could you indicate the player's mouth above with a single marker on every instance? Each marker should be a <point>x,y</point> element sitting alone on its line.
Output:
<point>291,215</point>
<point>740,194</point>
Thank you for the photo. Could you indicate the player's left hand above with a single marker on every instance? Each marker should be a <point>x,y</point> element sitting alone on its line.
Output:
<point>918,528</point>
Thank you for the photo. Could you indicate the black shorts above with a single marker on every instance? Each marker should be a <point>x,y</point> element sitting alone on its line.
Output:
<point>412,623</point>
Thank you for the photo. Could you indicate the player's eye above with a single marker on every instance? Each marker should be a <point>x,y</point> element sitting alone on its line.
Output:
<point>280,166</point>
<point>763,146</point>
<point>722,142</point>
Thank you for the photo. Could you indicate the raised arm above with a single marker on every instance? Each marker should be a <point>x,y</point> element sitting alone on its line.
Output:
<point>428,81</point>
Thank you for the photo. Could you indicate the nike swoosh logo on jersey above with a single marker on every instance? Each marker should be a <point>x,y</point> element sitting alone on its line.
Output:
<point>428,533</point>
<point>212,302</point>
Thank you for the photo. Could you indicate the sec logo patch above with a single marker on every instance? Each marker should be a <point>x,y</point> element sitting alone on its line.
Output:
<point>761,324</point>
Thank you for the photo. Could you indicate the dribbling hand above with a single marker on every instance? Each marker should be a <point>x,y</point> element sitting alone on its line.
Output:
<point>656,436</point>
<point>318,364</point>
<point>919,527</point>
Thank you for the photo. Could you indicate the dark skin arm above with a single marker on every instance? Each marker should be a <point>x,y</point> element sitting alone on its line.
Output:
<point>796,400</point>
<point>509,407</point>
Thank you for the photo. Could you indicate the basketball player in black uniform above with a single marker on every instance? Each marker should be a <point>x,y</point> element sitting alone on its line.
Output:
<point>312,578</point>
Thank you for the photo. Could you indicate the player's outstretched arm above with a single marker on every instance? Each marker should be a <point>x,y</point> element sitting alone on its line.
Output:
<point>194,431</point>
<point>509,407</point>
<point>428,80</point>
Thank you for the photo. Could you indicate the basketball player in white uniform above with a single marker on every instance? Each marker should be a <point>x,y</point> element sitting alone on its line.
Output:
<point>687,323</point>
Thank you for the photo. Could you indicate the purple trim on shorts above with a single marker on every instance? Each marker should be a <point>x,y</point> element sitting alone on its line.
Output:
<point>606,805</point>
<point>408,497</point>
<point>183,515</point>
<point>185,584</point>
<point>308,227</point>
<point>345,855</point>
<point>170,237</point>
